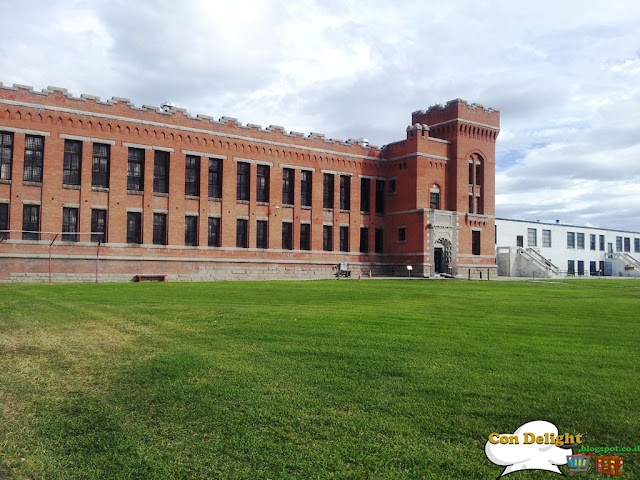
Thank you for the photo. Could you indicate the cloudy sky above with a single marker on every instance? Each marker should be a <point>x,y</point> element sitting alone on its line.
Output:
<point>564,74</point>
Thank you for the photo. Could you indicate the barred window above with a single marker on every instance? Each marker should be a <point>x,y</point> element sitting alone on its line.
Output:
<point>571,240</point>
<point>72,162</point>
<point>287,235</point>
<point>344,239</point>
<point>33,158</point>
<point>327,238</point>
<point>31,222</point>
<point>214,231</point>
<point>365,195</point>
<point>288,175</point>
<point>546,238</point>
<point>364,239</point>
<point>345,192</point>
<point>100,165</point>
<point>6,155</point>
<point>4,220</point>
<point>192,175</point>
<point>159,228</point>
<point>242,239</point>
<point>215,178</point>
<point>160,171</point>
<point>191,230</point>
<point>262,234</point>
<point>262,183</point>
<point>305,236</point>
<point>98,225</point>
<point>70,224</point>
<point>379,196</point>
<point>135,171</point>
<point>134,227</point>
<point>242,187</point>
<point>305,187</point>
<point>580,240</point>
<point>327,193</point>
<point>379,240</point>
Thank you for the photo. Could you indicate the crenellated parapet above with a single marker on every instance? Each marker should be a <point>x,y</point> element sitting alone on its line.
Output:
<point>169,116</point>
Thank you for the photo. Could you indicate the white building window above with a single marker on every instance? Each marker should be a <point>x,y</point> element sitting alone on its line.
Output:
<point>546,238</point>
<point>580,238</point>
<point>571,240</point>
<point>532,237</point>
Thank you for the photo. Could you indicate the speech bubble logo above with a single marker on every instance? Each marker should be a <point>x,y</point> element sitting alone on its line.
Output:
<point>515,454</point>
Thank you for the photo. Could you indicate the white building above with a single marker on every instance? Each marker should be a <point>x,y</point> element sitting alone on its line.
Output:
<point>536,249</point>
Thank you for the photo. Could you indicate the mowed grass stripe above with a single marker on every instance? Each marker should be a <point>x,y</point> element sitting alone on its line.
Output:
<point>373,379</point>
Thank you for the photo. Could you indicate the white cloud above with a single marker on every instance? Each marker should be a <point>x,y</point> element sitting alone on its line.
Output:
<point>563,74</point>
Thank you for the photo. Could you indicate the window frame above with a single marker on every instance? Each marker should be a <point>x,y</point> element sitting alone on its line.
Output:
<point>242,233</point>
<point>364,239</point>
<point>263,173</point>
<point>262,234</point>
<point>365,196</point>
<point>476,242</point>
<point>213,231</point>
<point>191,230</point>
<point>6,155</point>
<point>571,240</point>
<point>243,187</point>
<point>345,192</point>
<point>328,189</point>
<point>31,229</point>
<point>287,235</point>
<point>159,228</point>
<point>378,240</point>
<point>72,162</point>
<point>306,188</point>
<point>344,238</point>
<point>305,236</point>
<point>98,223</point>
<point>135,169</point>
<point>327,238</point>
<point>532,237</point>
<point>161,171</point>
<point>100,165</point>
<point>33,159</point>
<point>4,220</point>
<point>134,228</point>
<point>546,238</point>
<point>215,178</point>
<point>70,217</point>
<point>380,197</point>
<point>288,186</point>
<point>192,176</point>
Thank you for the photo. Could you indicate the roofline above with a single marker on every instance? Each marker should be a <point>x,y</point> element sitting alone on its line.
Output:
<point>567,225</point>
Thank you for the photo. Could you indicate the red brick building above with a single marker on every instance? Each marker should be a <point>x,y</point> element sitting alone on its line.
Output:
<point>105,189</point>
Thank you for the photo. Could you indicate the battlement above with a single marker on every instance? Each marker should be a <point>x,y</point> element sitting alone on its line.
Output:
<point>458,109</point>
<point>58,98</point>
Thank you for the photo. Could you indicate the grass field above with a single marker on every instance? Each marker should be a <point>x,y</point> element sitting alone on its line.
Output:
<point>374,379</point>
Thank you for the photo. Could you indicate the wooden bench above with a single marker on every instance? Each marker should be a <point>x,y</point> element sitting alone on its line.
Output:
<point>150,278</point>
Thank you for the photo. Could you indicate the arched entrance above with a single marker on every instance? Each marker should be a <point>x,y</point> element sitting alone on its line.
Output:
<point>442,256</point>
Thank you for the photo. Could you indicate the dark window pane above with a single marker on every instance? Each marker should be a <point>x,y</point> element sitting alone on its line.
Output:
<point>191,230</point>
<point>364,239</point>
<point>379,196</point>
<point>287,235</point>
<point>134,227</point>
<point>70,224</point>
<point>327,237</point>
<point>159,228</point>
<point>214,232</point>
<point>98,225</point>
<point>33,158</point>
<point>242,188</point>
<point>262,183</point>
<point>344,239</point>
<point>305,188</point>
<point>31,222</point>
<point>327,193</point>
<point>6,155</point>
<point>100,165</point>
<point>135,170</point>
<point>215,178</point>
<point>262,234</point>
<point>72,162</point>
<point>379,240</point>
<point>242,240</point>
<point>192,175</point>
<point>305,236</point>
<point>160,171</point>
<point>365,195</point>
<point>434,200</point>
<point>288,175</point>
<point>475,242</point>
<point>345,192</point>
<point>4,220</point>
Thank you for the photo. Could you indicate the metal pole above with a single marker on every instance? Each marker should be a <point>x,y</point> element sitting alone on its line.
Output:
<point>98,255</point>
<point>50,245</point>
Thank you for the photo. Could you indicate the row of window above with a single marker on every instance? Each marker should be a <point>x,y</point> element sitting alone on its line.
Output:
<point>31,227</point>
<point>577,240</point>
<point>594,268</point>
<point>72,168</point>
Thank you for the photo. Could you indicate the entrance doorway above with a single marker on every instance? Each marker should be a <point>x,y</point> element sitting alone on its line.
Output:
<point>442,256</point>
<point>438,260</point>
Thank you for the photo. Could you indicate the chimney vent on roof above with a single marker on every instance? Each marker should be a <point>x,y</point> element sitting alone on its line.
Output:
<point>167,106</point>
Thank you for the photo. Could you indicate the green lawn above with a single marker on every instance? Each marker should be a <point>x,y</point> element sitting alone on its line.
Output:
<point>329,379</point>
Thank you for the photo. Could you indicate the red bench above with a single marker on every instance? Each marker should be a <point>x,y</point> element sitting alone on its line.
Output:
<point>150,278</point>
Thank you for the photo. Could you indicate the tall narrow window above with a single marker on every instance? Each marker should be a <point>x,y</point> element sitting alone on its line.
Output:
<point>327,238</point>
<point>571,267</point>
<point>242,187</point>
<point>287,235</point>
<point>31,222</point>
<point>6,155</point>
<point>160,171</point>
<point>134,227</point>
<point>601,242</point>
<point>327,191</point>
<point>479,204</point>
<point>215,178</point>
<point>479,172</point>
<point>262,234</point>
<point>532,237</point>
<point>379,240</point>
<point>470,203</point>
<point>636,245</point>
<point>365,195</point>
<point>135,171</point>
<point>581,267</point>
<point>4,220</point>
<point>98,225</point>
<point>159,228</point>
<point>345,192</point>
<point>33,158</point>
<point>470,172</point>
<point>364,239</point>
<point>618,244</point>
<point>192,176</point>
<point>580,240</point>
<point>305,236</point>
<point>627,244</point>
<point>242,230</point>
<point>592,242</point>
<point>262,184</point>
<point>305,188</point>
<point>571,240</point>
<point>71,165</point>
<point>100,165</point>
<point>379,196</point>
<point>191,230</point>
<point>402,234</point>
<point>344,238</point>
<point>214,231</point>
<point>288,195</point>
<point>70,224</point>
<point>546,238</point>
<point>475,242</point>
<point>434,199</point>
